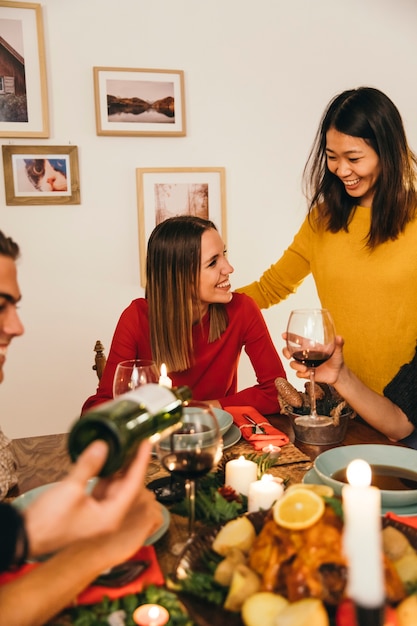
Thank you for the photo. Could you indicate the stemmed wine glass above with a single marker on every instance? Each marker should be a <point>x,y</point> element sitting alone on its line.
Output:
<point>311,340</point>
<point>191,452</point>
<point>132,374</point>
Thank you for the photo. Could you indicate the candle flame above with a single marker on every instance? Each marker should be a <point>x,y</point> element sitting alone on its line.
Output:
<point>163,370</point>
<point>154,612</point>
<point>359,473</point>
<point>267,478</point>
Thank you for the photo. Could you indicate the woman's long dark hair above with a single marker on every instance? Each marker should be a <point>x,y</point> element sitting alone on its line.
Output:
<point>172,289</point>
<point>369,114</point>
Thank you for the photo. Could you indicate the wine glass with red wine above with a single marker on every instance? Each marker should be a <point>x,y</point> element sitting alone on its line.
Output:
<point>311,341</point>
<point>191,451</point>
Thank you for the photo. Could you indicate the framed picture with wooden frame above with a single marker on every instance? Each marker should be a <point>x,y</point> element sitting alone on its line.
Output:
<point>41,174</point>
<point>133,102</point>
<point>23,90</point>
<point>166,192</point>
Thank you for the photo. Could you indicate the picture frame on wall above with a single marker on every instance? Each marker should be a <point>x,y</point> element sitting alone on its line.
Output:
<point>23,88</point>
<point>167,192</point>
<point>41,175</point>
<point>134,102</point>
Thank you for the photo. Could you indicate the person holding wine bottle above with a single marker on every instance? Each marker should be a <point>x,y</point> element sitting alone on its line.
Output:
<point>88,533</point>
<point>359,240</point>
<point>393,413</point>
<point>192,321</point>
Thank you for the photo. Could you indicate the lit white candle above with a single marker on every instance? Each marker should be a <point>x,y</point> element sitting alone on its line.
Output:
<point>150,615</point>
<point>362,538</point>
<point>164,379</point>
<point>240,473</point>
<point>263,493</point>
<point>272,450</point>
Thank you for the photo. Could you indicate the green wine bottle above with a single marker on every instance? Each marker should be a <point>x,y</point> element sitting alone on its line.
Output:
<point>124,422</point>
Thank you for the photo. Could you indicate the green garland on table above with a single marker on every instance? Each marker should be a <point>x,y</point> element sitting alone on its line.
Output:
<point>214,504</point>
<point>98,614</point>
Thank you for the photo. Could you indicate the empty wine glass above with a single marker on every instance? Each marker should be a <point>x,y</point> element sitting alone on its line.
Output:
<point>191,452</point>
<point>311,340</point>
<point>132,374</point>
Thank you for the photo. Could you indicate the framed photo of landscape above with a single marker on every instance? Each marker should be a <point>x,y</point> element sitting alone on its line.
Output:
<point>23,91</point>
<point>41,174</point>
<point>166,192</point>
<point>133,102</point>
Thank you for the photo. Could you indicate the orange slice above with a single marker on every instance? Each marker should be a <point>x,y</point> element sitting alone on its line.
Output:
<point>299,509</point>
<point>325,491</point>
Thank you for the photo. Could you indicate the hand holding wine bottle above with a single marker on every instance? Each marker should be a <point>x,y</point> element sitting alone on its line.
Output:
<point>124,422</point>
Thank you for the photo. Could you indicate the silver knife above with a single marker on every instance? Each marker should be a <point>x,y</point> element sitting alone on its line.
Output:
<point>258,430</point>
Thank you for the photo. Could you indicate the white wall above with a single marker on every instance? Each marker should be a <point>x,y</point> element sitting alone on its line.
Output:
<point>257,79</point>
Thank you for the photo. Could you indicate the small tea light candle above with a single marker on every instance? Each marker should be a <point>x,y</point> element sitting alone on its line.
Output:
<point>362,539</point>
<point>263,493</point>
<point>240,473</point>
<point>164,379</point>
<point>272,450</point>
<point>150,615</point>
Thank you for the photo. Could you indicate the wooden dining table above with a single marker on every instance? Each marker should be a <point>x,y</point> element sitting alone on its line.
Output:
<point>44,459</point>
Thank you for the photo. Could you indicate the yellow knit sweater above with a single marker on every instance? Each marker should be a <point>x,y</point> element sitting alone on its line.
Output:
<point>372,296</point>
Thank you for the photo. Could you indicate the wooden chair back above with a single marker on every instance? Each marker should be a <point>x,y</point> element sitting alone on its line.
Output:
<point>100,359</point>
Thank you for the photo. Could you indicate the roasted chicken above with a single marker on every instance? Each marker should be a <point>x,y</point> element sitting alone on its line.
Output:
<point>310,563</point>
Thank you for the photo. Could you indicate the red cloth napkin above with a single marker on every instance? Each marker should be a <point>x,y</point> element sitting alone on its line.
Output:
<point>93,594</point>
<point>272,435</point>
<point>410,520</point>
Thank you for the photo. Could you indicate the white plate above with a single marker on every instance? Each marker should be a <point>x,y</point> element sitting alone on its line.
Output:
<point>330,461</point>
<point>232,436</point>
<point>312,478</point>
<point>23,501</point>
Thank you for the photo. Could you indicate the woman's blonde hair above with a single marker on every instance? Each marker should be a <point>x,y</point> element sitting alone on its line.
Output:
<point>172,290</point>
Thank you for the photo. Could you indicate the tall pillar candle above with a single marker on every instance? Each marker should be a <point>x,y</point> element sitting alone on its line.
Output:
<point>362,537</point>
<point>240,473</point>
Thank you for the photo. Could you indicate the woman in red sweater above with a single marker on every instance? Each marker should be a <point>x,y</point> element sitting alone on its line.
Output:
<point>192,321</point>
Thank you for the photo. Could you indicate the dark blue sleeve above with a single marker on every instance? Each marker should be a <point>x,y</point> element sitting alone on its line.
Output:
<point>402,390</point>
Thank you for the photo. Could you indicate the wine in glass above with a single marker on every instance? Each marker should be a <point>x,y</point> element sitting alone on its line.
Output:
<point>132,374</point>
<point>311,340</point>
<point>190,452</point>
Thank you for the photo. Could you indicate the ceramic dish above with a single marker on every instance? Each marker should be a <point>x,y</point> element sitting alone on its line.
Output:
<point>224,419</point>
<point>312,478</point>
<point>23,501</point>
<point>329,462</point>
<point>232,436</point>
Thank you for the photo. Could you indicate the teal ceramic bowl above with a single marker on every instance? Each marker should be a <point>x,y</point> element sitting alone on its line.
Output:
<point>224,419</point>
<point>384,457</point>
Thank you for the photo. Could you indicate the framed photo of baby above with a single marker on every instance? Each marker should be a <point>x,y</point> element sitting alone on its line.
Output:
<point>23,90</point>
<point>41,174</point>
<point>166,192</point>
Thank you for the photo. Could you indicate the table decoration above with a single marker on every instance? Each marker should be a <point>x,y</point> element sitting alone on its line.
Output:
<point>270,434</point>
<point>273,451</point>
<point>164,379</point>
<point>101,613</point>
<point>329,403</point>
<point>362,543</point>
<point>263,493</point>
<point>240,473</point>
<point>150,615</point>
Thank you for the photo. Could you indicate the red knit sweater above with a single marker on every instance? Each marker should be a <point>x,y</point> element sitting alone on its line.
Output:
<point>214,375</point>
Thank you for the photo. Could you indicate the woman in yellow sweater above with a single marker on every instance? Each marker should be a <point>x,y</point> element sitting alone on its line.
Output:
<point>359,239</point>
